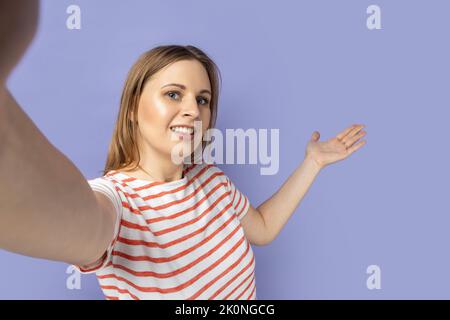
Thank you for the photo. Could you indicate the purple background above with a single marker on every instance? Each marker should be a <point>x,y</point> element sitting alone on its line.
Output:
<point>298,66</point>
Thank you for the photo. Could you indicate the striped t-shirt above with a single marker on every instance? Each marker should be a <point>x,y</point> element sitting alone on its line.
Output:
<point>176,240</point>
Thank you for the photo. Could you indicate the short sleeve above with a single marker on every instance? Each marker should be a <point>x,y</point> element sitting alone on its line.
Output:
<point>239,200</point>
<point>108,189</point>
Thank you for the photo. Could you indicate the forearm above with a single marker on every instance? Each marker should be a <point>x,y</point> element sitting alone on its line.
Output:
<point>47,208</point>
<point>277,210</point>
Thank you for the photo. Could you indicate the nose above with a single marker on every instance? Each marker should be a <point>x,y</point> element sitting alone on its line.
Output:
<point>190,108</point>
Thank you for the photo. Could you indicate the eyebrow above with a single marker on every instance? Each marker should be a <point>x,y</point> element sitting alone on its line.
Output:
<point>184,87</point>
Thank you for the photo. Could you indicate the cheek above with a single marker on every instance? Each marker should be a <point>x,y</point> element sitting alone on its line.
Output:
<point>160,108</point>
<point>155,112</point>
<point>206,118</point>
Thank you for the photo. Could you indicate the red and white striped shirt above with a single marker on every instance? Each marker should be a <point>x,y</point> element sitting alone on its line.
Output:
<point>176,240</point>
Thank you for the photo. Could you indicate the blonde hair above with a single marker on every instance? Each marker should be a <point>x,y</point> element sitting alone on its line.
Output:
<point>123,150</point>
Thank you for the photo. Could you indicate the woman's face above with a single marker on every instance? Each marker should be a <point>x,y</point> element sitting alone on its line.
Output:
<point>177,95</point>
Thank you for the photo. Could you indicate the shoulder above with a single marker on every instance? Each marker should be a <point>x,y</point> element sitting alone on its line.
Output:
<point>108,186</point>
<point>207,170</point>
<point>103,182</point>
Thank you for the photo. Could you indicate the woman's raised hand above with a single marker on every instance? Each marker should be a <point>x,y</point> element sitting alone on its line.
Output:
<point>337,148</point>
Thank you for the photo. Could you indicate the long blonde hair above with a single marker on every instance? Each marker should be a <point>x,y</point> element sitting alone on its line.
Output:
<point>123,150</point>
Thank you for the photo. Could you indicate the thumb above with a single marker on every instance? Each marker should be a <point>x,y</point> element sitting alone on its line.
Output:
<point>315,136</point>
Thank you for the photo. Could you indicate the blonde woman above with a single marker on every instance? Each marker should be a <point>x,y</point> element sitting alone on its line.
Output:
<point>150,228</point>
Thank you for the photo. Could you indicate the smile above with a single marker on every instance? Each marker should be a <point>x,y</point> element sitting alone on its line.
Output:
<point>183,130</point>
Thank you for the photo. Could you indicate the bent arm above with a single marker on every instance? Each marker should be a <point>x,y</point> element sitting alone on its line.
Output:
<point>277,210</point>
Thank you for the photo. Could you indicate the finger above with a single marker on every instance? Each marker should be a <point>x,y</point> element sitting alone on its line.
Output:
<point>341,135</point>
<point>349,141</point>
<point>315,136</point>
<point>352,133</point>
<point>356,147</point>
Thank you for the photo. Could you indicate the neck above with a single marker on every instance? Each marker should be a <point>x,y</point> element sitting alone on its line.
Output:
<point>160,167</point>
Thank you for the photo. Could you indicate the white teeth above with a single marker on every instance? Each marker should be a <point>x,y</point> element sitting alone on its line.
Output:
<point>182,130</point>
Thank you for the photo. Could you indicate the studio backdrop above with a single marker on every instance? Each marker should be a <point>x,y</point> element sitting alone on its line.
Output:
<point>375,226</point>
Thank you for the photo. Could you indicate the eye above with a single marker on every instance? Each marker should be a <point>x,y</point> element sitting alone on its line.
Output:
<point>173,94</point>
<point>203,101</point>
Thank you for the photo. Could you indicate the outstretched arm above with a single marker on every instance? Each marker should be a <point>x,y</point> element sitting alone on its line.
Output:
<point>47,208</point>
<point>263,224</point>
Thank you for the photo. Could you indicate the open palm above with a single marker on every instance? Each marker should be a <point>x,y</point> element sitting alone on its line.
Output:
<point>336,148</point>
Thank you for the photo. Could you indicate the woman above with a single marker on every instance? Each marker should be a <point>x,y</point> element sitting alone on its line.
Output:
<point>150,227</point>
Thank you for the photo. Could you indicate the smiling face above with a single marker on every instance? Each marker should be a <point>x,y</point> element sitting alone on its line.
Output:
<point>177,95</point>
